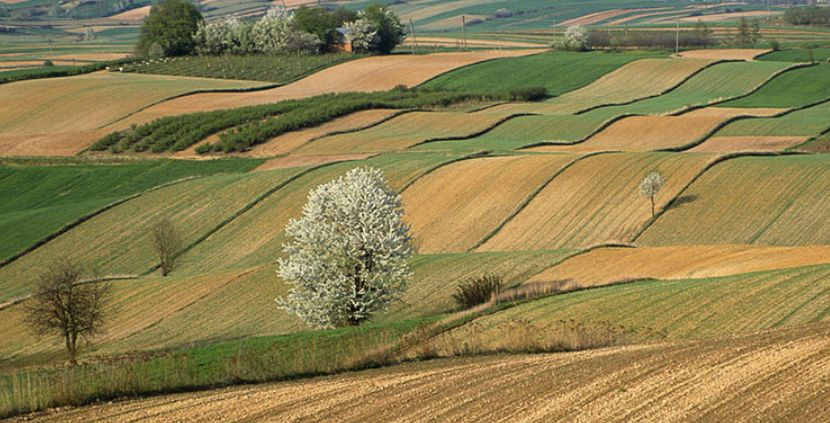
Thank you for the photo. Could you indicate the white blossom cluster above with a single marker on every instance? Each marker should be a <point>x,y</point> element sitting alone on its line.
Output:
<point>348,257</point>
<point>363,35</point>
<point>273,34</point>
<point>575,39</point>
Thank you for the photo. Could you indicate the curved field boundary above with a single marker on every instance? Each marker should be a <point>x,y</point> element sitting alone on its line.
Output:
<point>258,199</point>
<point>530,198</point>
<point>468,65</point>
<point>810,140</point>
<point>595,201</point>
<point>681,193</point>
<point>471,135</point>
<point>787,112</point>
<point>608,265</point>
<point>88,216</point>
<point>476,155</point>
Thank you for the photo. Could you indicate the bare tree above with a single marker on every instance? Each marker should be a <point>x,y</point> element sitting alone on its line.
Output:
<point>650,186</point>
<point>66,306</point>
<point>166,243</point>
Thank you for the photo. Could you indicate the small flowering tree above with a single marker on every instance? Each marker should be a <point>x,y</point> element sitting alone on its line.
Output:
<point>650,186</point>
<point>275,34</point>
<point>363,36</point>
<point>575,39</point>
<point>347,259</point>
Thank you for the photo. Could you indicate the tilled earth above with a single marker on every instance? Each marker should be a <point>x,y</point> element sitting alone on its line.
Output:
<point>772,376</point>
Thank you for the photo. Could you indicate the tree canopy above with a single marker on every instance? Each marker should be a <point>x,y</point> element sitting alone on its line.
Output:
<point>169,29</point>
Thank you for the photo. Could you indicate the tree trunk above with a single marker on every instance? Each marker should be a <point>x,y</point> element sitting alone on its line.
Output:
<point>71,349</point>
<point>652,207</point>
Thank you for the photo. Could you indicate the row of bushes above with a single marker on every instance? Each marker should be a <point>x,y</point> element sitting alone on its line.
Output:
<point>810,15</point>
<point>257,124</point>
<point>53,71</point>
<point>613,39</point>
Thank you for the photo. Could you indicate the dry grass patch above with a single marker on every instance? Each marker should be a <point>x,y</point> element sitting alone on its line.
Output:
<point>608,265</point>
<point>748,143</point>
<point>455,207</point>
<point>403,132</point>
<point>724,54</point>
<point>596,200</point>
<point>718,379</point>
<point>751,200</point>
<point>377,73</point>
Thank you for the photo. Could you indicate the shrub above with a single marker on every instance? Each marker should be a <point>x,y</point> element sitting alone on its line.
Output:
<point>387,25</point>
<point>48,64</point>
<point>529,94</point>
<point>478,290</point>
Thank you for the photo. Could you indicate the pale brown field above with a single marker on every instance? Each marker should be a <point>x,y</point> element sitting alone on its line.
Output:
<point>650,133</point>
<point>297,161</point>
<point>748,143</point>
<point>452,22</point>
<point>91,56</point>
<point>596,200</point>
<point>718,17</point>
<point>724,54</point>
<point>593,18</point>
<point>453,208</point>
<point>780,376</point>
<point>136,14</point>
<point>471,42</point>
<point>607,265</point>
<point>11,64</point>
<point>377,73</point>
<point>53,145</point>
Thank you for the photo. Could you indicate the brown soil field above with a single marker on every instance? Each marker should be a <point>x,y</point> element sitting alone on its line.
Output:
<point>650,133</point>
<point>32,63</point>
<point>136,14</point>
<point>63,144</point>
<point>440,8</point>
<point>724,54</point>
<point>92,56</point>
<point>718,17</point>
<point>286,143</point>
<point>41,107</point>
<point>471,42</point>
<point>593,18</point>
<point>621,85</point>
<point>402,132</point>
<point>378,73</point>
<point>456,206</point>
<point>748,143</point>
<point>595,201</point>
<point>297,161</point>
<point>452,22</point>
<point>608,265</point>
<point>775,376</point>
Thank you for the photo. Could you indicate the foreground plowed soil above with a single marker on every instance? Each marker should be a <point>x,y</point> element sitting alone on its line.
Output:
<point>777,376</point>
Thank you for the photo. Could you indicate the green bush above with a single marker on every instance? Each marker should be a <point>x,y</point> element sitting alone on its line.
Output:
<point>478,290</point>
<point>529,94</point>
<point>48,64</point>
<point>169,29</point>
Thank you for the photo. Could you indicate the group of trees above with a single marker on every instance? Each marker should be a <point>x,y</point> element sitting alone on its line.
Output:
<point>809,15</point>
<point>175,28</point>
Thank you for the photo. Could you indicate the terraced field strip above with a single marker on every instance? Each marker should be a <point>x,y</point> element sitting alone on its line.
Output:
<point>652,133</point>
<point>118,241</point>
<point>720,144</point>
<point>377,73</point>
<point>402,132</point>
<point>256,237</point>
<point>716,379</point>
<point>636,80</point>
<point>808,122</point>
<point>596,200</point>
<point>455,207</point>
<point>470,42</point>
<point>524,131</point>
<point>724,54</point>
<point>42,106</point>
<point>770,201</point>
<point>795,88</point>
<point>603,266</point>
<point>678,309</point>
<point>713,84</point>
<point>288,142</point>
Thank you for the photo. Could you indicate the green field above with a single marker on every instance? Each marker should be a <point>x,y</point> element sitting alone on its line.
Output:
<point>40,199</point>
<point>558,72</point>
<point>277,69</point>
<point>806,122</point>
<point>794,88</point>
<point>798,55</point>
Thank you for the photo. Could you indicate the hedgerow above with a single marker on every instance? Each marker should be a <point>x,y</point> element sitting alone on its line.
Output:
<point>257,124</point>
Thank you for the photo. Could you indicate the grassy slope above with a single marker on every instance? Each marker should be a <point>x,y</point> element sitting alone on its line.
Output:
<point>118,241</point>
<point>558,72</point>
<point>771,201</point>
<point>797,55</point>
<point>256,237</point>
<point>692,308</point>
<point>596,200</point>
<point>39,200</point>
<point>791,89</point>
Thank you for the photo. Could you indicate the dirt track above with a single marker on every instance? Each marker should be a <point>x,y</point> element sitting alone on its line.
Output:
<point>776,376</point>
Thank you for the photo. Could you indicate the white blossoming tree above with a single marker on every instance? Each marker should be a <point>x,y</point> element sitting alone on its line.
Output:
<point>274,34</point>
<point>363,36</point>
<point>650,186</point>
<point>575,39</point>
<point>347,259</point>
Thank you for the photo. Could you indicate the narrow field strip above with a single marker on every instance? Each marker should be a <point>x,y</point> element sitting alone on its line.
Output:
<point>454,217</point>
<point>725,54</point>
<point>596,201</point>
<point>788,209</point>
<point>608,265</point>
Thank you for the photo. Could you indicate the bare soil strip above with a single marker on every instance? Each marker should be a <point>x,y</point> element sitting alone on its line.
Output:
<point>724,54</point>
<point>780,376</point>
<point>748,143</point>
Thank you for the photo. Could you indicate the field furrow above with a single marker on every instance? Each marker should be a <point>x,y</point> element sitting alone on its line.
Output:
<point>455,216</point>
<point>595,201</point>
